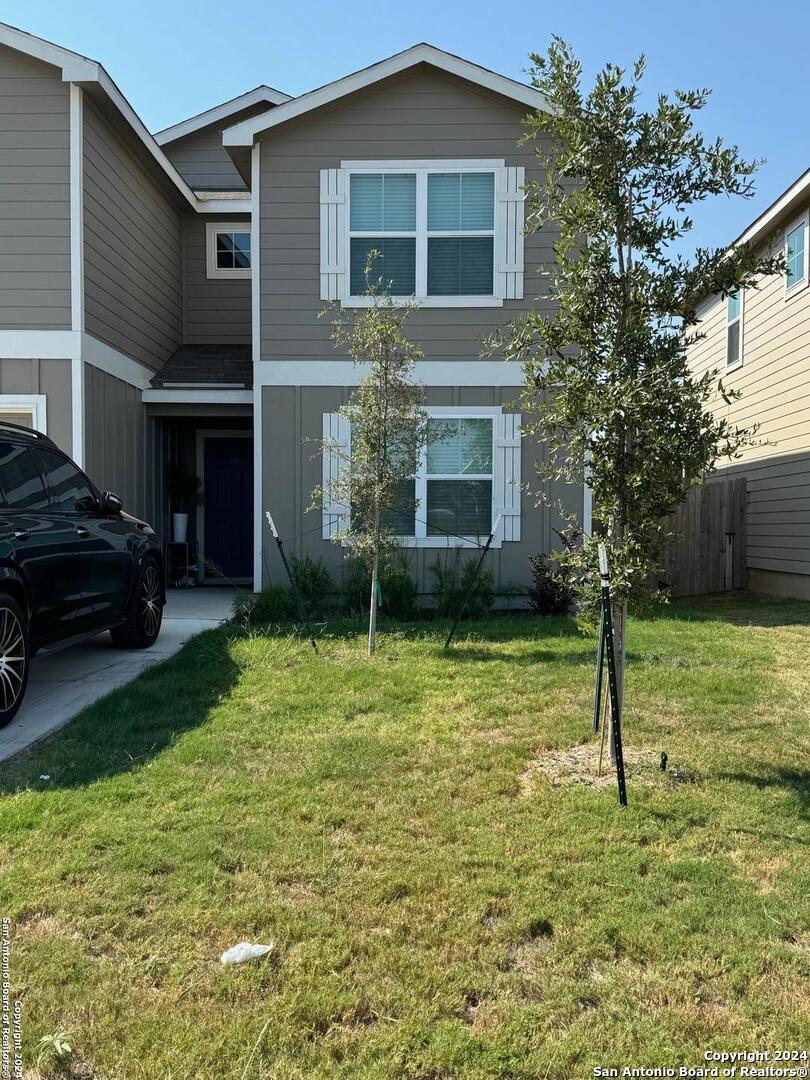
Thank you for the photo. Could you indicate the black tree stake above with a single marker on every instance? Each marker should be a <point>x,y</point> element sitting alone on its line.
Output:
<point>467,595</point>
<point>299,602</point>
<point>616,724</point>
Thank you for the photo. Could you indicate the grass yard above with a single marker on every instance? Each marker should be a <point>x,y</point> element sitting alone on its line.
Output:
<point>438,908</point>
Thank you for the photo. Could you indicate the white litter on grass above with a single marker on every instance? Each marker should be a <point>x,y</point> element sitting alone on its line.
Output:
<point>45,776</point>
<point>245,950</point>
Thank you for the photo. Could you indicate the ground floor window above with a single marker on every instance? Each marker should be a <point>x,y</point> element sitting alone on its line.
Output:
<point>25,410</point>
<point>468,475</point>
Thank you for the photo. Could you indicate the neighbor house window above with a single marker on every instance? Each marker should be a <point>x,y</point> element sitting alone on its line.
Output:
<point>796,255</point>
<point>433,230</point>
<point>228,250</point>
<point>734,311</point>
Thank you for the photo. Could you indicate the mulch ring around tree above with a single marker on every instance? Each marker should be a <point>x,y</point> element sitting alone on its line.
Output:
<point>580,765</point>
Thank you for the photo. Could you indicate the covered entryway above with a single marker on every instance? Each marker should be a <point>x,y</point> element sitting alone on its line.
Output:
<point>202,405</point>
<point>225,519</point>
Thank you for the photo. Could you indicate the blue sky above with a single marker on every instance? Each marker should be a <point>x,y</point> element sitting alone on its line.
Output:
<point>174,59</point>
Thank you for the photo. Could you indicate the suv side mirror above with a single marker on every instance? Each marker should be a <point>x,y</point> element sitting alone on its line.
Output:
<point>111,503</point>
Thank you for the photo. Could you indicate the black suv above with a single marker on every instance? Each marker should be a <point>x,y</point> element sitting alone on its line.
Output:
<point>72,563</point>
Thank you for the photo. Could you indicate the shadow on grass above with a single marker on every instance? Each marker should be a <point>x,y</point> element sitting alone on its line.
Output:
<point>132,725</point>
<point>736,608</point>
<point>479,654</point>
<point>794,781</point>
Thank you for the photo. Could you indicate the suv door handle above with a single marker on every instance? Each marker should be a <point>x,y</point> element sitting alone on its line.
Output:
<point>21,534</point>
<point>81,531</point>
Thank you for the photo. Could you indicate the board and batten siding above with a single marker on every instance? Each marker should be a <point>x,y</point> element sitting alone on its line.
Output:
<point>51,378</point>
<point>34,195</point>
<point>118,441</point>
<point>132,249</point>
<point>774,381</point>
<point>422,115</point>
<point>216,311</point>
<point>292,427</point>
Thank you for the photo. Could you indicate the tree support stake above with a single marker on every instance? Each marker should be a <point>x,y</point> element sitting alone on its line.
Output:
<point>299,602</point>
<point>613,686</point>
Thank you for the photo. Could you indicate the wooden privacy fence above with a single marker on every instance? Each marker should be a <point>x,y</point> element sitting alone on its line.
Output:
<point>709,554</point>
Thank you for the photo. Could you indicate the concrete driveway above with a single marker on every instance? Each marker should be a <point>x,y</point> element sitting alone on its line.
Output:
<point>62,684</point>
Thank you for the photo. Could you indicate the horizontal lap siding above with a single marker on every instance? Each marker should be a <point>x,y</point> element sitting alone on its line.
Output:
<point>132,243</point>
<point>292,426</point>
<point>217,312</point>
<point>423,115</point>
<point>34,195</point>
<point>774,382</point>
<point>203,161</point>
<point>51,378</point>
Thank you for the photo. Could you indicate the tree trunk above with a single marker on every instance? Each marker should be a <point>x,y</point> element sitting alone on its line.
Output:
<point>619,618</point>
<point>375,569</point>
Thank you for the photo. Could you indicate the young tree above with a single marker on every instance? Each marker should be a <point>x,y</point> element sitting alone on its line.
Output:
<point>607,384</point>
<point>388,431</point>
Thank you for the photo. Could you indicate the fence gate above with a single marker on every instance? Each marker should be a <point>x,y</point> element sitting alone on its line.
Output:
<point>709,554</point>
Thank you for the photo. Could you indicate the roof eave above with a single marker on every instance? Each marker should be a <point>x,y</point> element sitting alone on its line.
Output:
<point>221,112</point>
<point>244,133</point>
<point>86,72</point>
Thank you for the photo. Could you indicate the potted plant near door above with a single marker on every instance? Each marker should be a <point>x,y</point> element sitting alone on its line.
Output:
<point>185,495</point>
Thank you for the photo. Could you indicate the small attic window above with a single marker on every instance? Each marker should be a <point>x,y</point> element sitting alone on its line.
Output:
<point>228,249</point>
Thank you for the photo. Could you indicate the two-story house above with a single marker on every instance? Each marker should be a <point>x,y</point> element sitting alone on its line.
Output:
<point>159,295</point>
<point>759,340</point>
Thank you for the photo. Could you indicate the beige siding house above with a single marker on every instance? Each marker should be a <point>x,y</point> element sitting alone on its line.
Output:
<point>760,342</point>
<point>159,295</point>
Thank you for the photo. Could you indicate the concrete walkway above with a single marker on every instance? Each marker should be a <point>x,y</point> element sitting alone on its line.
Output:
<point>62,684</point>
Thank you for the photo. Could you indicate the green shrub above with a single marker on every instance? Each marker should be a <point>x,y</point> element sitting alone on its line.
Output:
<point>454,584</point>
<point>313,583</point>
<point>275,603</point>
<point>397,586</point>
<point>551,591</point>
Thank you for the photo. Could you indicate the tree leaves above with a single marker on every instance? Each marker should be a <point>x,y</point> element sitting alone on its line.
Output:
<point>607,379</point>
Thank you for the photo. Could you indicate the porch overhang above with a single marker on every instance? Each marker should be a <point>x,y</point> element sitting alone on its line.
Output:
<point>204,375</point>
<point>192,396</point>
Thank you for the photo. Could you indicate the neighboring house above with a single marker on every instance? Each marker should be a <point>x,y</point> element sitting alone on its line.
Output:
<point>159,294</point>
<point>760,341</point>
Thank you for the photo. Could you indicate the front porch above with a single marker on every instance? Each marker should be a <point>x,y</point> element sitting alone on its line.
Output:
<point>201,404</point>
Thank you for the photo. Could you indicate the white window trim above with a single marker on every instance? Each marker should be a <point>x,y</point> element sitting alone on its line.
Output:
<point>798,286</point>
<point>211,268</point>
<point>421,539</point>
<point>730,322</point>
<point>33,405</point>
<point>422,169</point>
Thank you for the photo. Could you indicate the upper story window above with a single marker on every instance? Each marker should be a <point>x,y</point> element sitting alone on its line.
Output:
<point>796,255</point>
<point>448,233</point>
<point>734,325</point>
<point>228,249</point>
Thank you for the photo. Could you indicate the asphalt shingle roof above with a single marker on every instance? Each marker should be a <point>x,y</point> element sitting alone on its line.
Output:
<point>196,365</point>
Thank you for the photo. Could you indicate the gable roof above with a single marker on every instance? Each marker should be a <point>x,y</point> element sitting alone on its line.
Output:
<point>84,71</point>
<point>789,203</point>
<point>227,109</point>
<point>244,133</point>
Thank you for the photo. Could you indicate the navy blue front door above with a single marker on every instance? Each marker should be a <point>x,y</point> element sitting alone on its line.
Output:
<point>228,507</point>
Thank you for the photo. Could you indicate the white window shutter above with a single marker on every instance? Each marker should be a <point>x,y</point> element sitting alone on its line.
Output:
<point>509,220</point>
<point>333,234</point>
<point>336,433</point>
<point>507,474</point>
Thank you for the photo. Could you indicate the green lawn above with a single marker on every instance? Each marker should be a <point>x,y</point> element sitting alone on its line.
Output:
<point>438,910</point>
